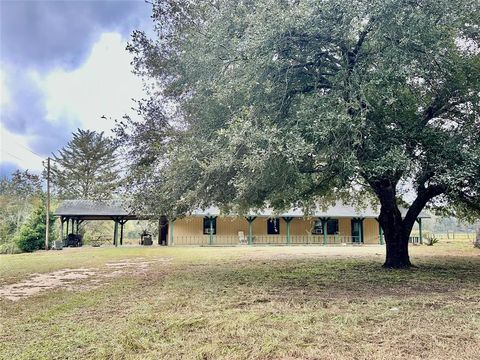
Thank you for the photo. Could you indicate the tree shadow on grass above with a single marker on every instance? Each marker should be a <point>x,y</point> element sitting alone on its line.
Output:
<point>342,278</point>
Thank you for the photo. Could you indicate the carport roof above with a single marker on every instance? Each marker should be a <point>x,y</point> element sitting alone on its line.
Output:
<point>94,209</point>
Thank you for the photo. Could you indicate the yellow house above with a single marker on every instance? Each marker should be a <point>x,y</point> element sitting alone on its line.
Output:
<point>340,224</point>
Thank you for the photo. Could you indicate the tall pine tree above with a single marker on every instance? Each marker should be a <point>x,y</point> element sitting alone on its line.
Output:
<point>86,168</point>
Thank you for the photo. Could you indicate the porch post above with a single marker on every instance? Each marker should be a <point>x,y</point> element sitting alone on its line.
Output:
<point>68,223</point>
<point>170,230</point>
<point>419,220</point>
<point>250,220</point>
<point>159,231</point>
<point>361,230</point>
<point>380,232</point>
<point>210,238</point>
<point>324,229</point>
<point>287,221</point>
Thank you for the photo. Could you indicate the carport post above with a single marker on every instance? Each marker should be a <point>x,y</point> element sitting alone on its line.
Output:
<point>61,227</point>
<point>420,235</point>
<point>115,233</point>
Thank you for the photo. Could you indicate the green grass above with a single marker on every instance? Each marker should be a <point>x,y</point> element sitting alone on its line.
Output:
<point>249,303</point>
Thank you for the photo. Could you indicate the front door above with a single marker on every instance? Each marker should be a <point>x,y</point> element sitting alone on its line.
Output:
<point>357,231</point>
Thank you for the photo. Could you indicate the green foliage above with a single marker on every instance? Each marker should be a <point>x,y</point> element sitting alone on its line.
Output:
<point>86,167</point>
<point>19,193</point>
<point>31,236</point>
<point>430,240</point>
<point>284,102</point>
<point>10,248</point>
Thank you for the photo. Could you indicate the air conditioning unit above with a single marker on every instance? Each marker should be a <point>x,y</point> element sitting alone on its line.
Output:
<point>318,231</point>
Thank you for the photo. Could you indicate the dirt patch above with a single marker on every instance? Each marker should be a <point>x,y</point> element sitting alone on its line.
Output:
<point>41,282</point>
<point>74,279</point>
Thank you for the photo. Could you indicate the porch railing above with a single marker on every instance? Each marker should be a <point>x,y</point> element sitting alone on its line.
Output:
<point>218,240</point>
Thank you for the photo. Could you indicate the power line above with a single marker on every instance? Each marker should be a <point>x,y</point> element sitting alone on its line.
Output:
<point>27,148</point>
<point>16,157</point>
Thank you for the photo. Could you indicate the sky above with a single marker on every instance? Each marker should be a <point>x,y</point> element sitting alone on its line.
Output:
<point>63,66</point>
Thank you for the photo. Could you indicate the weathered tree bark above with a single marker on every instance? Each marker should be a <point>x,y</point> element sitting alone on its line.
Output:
<point>396,230</point>
<point>477,241</point>
<point>396,238</point>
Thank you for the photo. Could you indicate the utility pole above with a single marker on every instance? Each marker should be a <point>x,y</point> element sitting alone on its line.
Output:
<point>47,225</point>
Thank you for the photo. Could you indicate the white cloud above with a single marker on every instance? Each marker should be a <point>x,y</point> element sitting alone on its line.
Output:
<point>104,85</point>
<point>4,95</point>
<point>14,149</point>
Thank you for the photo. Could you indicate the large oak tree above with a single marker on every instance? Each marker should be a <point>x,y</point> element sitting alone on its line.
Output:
<point>286,102</point>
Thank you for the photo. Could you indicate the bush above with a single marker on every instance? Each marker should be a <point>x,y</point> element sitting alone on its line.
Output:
<point>32,234</point>
<point>10,248</point>
<point>430,240</point>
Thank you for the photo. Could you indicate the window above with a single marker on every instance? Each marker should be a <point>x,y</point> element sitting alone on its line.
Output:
<point>209,223</point>
<point>332,227</point>
<point>273,226</point>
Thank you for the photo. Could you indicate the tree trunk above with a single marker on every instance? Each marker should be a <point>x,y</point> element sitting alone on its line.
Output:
<point>397,249</point>
<point>395,230</point>
<point>477,241</point>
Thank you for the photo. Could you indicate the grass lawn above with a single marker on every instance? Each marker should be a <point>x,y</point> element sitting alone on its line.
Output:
<point>243,303</point>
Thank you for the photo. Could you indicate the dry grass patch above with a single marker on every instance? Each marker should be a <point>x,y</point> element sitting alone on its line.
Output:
<point>261,303</point>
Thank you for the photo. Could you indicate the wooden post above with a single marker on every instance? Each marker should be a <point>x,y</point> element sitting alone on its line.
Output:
<point>115,233</point>
<point>420,235</point>
<point>380,232</point>
<point>170,231</point>
<point>159,231</point>
<point>121,232</point>
<point>324,229</point>
<point>210,238</point>
<point>61,228</point>
<point>250,220</point>
<point>68,222</point>
<point>287,221</point>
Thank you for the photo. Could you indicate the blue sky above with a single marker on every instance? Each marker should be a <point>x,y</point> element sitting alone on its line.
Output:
<point>63,66</point>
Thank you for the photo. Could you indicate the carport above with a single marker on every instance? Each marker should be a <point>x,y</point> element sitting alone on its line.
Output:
<point>72,213</point>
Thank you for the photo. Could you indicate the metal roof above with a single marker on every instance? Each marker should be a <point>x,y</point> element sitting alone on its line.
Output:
<point>94,209</point>
<point>339,210</point>
<point>106,209</point>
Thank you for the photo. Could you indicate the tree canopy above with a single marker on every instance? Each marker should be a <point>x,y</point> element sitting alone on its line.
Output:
<point>86,168</point>
<point>286,102</point>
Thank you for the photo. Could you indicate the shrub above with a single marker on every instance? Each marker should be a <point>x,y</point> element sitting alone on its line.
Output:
<point>31,236</point>
<point>9,248</point>
<point>430,240</point>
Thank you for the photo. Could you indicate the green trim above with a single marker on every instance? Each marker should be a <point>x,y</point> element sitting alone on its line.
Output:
<point>324,229</point>
<point>250,220</point>
<point>287,221</point>
<point>380,233</point>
